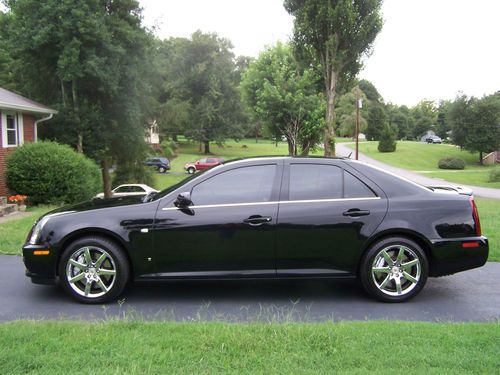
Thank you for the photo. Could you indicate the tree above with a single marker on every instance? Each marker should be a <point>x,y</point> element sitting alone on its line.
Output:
<point>284,98</point>
<point>387,141</point>
<point>333,35</point>
<point>424,118</point>
<point>476,123</point>
<point>377,121</point>
<point>200,94</point>
<point>399,118</point>
<point>91,64</point>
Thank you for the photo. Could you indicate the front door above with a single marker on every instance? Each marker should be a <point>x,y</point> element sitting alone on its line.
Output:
<point>228,231</point>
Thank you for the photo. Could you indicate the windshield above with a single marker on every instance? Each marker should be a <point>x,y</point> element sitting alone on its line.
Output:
<point>170,189</point>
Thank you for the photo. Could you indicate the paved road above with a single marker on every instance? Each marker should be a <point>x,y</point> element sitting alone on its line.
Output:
<point>343,151</point>
<point>467,296</point>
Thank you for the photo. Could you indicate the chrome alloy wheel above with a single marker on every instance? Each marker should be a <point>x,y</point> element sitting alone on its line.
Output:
<point>91,272</point>
<point>396,270</point>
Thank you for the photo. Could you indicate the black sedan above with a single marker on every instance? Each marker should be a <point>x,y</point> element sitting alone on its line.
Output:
<point>273,217</point>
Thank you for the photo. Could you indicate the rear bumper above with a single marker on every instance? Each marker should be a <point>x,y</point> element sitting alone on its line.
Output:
<point>452,256</point>
<point>40,268</point>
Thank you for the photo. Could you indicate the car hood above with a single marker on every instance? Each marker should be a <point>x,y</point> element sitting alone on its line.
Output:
<point>97,204</point>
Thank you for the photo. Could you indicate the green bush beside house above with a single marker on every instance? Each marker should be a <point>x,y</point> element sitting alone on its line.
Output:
<point>51,173</point>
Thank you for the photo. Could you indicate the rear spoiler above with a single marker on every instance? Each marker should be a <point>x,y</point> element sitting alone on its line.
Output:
<point>446,188</point>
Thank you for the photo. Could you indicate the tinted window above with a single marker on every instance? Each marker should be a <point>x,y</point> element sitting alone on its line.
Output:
<point>315,181</point>
<point>242,185</point>
<point>136,189</point>
<point>122,189</point>
<point>354,188</point>
<point>210,161</point>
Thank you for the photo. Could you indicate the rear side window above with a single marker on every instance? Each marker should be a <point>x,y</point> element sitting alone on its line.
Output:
<point>354,188</point>
<point>315,181</point>
<point>242,185</point>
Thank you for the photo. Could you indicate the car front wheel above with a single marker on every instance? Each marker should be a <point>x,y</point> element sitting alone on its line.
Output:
<point>162,169</point>
<point>93,270</point>
<point>191,170</point>
<point>394,269</point>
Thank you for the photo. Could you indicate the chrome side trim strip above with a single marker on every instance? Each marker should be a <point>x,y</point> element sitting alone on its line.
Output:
<point>274,202</point>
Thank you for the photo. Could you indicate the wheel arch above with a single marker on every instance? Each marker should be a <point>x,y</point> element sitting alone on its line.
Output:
<point>97,232</point>
<point>419,238</point>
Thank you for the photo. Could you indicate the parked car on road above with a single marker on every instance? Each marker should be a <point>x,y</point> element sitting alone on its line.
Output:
<point>127,190</point>
<point>162,165</point>
<point>202,164</point>
<point>272,217</point>
<point>434,139</point>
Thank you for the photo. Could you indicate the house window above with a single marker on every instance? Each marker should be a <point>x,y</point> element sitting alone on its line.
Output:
<point>12,130</point>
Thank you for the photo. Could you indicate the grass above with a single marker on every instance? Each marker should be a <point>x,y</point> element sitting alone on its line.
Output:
<point>377,347</point>
<point>13,232</point>
<point>423,158</point>
<point>489,214</point>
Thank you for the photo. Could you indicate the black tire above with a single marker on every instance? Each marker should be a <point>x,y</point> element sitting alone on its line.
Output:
<point>379,278</point>
<point>191,170</point>
<point>162,169</point>
<point>114,259</point>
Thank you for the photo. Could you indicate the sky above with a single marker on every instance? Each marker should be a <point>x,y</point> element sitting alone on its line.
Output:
<point>427,49</point>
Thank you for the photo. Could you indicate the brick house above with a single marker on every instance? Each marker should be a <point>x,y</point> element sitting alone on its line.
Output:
<point>19,119</point>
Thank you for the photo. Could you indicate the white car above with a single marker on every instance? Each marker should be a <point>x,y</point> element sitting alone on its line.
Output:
<point>128,190</point>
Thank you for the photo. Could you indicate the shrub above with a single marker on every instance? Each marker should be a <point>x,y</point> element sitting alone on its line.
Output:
<point>48,172</point>
<point>495,175</point>
<point>451,163</point>
<point>169,148</point>
<point>387,141</point>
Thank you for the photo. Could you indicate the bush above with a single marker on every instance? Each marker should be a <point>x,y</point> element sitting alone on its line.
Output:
<point>387,141</point>
<point>48,172</point>
<point>495,175</point>
<point>169,148</point>
<point>451,163</point>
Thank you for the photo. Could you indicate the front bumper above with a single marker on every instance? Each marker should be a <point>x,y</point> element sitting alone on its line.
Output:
<point>40,268</point>
<point>451,255</point>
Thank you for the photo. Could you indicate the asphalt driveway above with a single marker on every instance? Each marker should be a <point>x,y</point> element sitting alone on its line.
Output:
<point>467,296</point>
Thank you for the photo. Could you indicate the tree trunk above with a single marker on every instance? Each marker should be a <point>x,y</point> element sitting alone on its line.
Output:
<point>174,137</point>
<point>306,146</point>
<point>330,91</point>
<point>106,182</point>
<point>207,147</point>
<point>481,157</point>
<point>76,109</point>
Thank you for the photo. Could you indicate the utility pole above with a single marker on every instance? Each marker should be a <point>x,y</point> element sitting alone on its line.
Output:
<point>358,106</point>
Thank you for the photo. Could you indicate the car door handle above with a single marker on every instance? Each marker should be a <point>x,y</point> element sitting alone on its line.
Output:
<point>255,220</point>
<point>355,212</point>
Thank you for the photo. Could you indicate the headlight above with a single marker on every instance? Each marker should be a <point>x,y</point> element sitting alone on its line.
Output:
<point>37,231</point>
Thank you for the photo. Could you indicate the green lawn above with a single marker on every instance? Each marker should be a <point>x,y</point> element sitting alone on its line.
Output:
<point>13,232</point>
<point>377,347</point>
<point>423,158</point>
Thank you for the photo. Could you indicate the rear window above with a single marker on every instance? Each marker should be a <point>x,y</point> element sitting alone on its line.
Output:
<point>315,181</point>
<point>355,188</point>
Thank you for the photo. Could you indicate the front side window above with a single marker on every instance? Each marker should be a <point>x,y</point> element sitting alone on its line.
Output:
<point>243,185</point>
<point>315,181</point>
<point>11,130</point>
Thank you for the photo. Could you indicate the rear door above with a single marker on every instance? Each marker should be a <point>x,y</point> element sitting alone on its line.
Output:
<point>326,213</point>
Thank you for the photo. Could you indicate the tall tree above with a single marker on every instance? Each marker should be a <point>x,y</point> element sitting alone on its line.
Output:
<point>424,116</point>
<point>91,62</point>
<point>377,122</point>
<point>284,98</point>
<point>334,35</point>
<point>476,123</point>
<point>201,78</point>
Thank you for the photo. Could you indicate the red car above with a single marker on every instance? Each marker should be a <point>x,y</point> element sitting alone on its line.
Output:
<point>202,164</point>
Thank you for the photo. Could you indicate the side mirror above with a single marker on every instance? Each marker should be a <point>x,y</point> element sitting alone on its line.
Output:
<point>183,200</point>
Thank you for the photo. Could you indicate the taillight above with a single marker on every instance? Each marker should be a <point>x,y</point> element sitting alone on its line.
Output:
<point>475,215</point>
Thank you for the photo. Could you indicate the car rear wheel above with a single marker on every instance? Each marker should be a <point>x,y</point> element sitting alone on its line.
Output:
<point>191,170</point>
<point>394,269</point>
<point>93,270</point>
<point>162,169</point>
